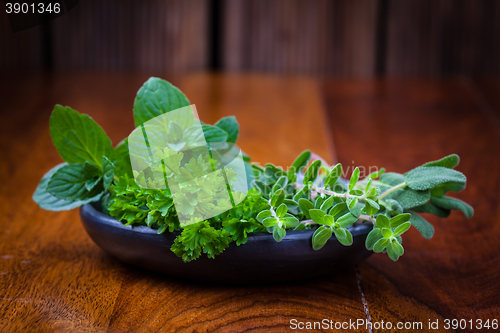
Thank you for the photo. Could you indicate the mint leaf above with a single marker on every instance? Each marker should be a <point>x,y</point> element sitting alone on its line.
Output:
<point>449,162</point>
<point>155,98</point>
<point>214,133</point>
<point>230,126</point>
<point>77,137</point>
<point>452,203</point>
<point>423,178</point>
<point>48,201</point>
<point>69,181</point>
<point>424,227</point>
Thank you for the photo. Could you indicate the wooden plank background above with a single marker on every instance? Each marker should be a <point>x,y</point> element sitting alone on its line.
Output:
<point>354,38</point>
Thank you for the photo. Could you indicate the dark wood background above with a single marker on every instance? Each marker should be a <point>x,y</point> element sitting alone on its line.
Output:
<point>356,38</point>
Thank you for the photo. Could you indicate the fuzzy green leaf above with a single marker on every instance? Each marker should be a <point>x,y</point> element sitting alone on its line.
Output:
<point>449,162</point>
<point>453,203</point>
<point>423,178</point>
<point>424,227</point>
<point>392,178</point>
<point>409,198</point>
<point>432,209</point>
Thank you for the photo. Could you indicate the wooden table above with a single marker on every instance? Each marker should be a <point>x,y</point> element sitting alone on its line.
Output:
<point>53,278</point>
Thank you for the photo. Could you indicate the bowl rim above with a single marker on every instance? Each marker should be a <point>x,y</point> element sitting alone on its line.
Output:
<point>94,212</point>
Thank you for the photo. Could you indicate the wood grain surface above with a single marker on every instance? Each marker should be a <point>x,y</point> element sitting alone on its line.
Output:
<point>53,278</point>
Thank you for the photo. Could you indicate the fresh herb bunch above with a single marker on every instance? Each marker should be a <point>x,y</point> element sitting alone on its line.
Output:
<point>308,195</point>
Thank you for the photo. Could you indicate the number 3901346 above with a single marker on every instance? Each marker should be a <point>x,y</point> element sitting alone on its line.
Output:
<point>25,8</point>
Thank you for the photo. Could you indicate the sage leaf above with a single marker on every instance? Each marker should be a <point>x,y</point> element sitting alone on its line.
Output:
<point>77,137</point>
<point>453,203</point>
<point>432,209</point>
<point>423,178</point>
<point>409,198</point>
<point>449,162</point>
<point>155,98</point>
<point>424,227</point>
<point>392,178</point>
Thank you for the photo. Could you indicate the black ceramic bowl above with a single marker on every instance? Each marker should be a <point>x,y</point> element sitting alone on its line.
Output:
<point>260,260</point>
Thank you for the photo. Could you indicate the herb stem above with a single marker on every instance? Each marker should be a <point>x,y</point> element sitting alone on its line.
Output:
<point>367,218</point>
<point>317,189</point>
<point>392,189</point>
